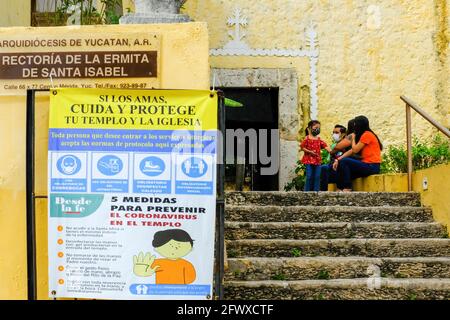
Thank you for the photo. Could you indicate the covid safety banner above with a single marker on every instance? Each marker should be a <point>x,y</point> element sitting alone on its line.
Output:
<point>131,193</point>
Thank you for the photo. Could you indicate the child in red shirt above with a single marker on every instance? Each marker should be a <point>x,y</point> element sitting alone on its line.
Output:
<point>312,146</point>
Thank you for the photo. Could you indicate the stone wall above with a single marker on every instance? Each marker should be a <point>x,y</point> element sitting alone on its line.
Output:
<point>435,195</point>
<point>371,52</point>
<point>288,106</point>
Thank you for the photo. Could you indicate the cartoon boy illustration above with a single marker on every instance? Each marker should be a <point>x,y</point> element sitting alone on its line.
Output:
<point>172,244</point>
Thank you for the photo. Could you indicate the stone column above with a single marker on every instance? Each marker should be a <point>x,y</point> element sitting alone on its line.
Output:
<point>156,11</point>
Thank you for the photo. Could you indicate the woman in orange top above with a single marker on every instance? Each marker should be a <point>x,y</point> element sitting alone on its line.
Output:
<point>369,146</point>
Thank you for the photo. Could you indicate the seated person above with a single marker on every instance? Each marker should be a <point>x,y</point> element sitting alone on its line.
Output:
<point>337,148</point>
<point>343,146</point>
<point>365,142</point>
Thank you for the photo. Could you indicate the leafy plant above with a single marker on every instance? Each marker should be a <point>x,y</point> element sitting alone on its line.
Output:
<point>412,296</point>
<point>320,296</point>
<point>325,156</point>
<point>298,182</point>
<point>183,2</point>
<point>110,15</point>
<point>89,13</point>
<point>323,275</point>
<point>425,154</point>
<point>400,275</point>
<point>331,236</point>
<point>279,276</point>
<point>296,252</point>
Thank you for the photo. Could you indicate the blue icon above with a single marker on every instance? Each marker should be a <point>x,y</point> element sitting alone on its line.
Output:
<point>152,166</point>
<point>68,165</point>
<point>194,167</point>
<point>110,165</point>
<point>140,289</point>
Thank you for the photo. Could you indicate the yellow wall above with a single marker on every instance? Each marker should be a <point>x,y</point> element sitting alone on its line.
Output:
<point>365,63</point>
<point>128,6</point>
<point>15,13</point>
<point>184,65</point>
<point>436,196</point>
<point>362,69</point>
<point>13,266</point>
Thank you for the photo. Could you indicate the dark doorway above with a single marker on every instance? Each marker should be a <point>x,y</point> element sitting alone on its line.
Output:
<point>260,111</point>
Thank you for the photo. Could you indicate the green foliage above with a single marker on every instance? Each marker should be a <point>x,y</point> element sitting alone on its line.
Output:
<point>331,236</point>
<point>400,275</point>
<point>279,276</point>
<point>110,15</point>
<point>89,14</point>
<point>426,154</point>
<point>323,275</point>
<point>183,2</point>
<point>325,155</point>
<point>298,182</point>
<point>320,296</point>
<point>412,296</point>
<point>296,252</point>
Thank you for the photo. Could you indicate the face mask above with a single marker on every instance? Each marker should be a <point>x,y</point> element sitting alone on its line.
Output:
<point>336,137</point>
<point>315,132</point>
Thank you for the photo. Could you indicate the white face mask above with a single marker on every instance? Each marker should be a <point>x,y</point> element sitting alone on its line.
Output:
<point>336,137</point>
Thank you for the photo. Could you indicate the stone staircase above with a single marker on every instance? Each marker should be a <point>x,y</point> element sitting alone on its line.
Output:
<point>326,245</point>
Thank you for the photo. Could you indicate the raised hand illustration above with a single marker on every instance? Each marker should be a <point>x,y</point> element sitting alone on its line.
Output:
<point>142,265</point>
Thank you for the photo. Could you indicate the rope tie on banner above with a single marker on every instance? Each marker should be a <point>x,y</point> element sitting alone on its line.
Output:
<point>213,85</point>
<point>51,81</point>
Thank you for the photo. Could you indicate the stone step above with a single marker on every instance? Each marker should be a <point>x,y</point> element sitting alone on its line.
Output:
<point>327,214</point>
<point>332,230</point>
<point>339,247</point>
<point>362,199</point>
<point>257,269</point>
<point>340,289</point>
